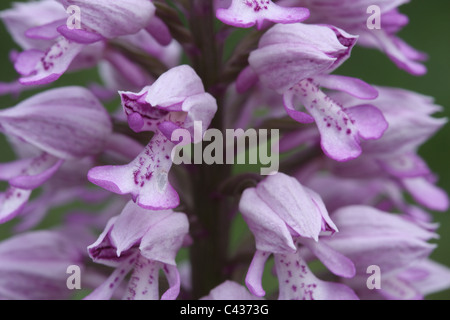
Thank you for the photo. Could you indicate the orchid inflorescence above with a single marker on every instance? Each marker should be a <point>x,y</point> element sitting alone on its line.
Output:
<point>350,193</point>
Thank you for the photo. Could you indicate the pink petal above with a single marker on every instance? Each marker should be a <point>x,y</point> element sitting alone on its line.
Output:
<point>297,282</point>
<point>247,13</point>
<point>53,63</point>
<point>145,178</point>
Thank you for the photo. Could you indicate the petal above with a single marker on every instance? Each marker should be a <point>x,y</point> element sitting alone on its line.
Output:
<point>437,279</point>
<point>352,86</point>
<point>102,250</point>
<point>327,224</point>
<point>200,108</point>
<point>37,173</point>
<point>394,288</point>
<point>174,86</point>
<point>359,220</point>
<point>144,282</point>
<point>145,178</point>
<point>79,35</point>
<point>292,203</point>
<point>132,224</point>
<point>52,63</point>
<point>369,120</point>
<point>426,193</point>
<point>245,14</point>
<point>332,259</point>
<point>173,278</point>
<point>395,50</point>
<point>159,31</point>
<point>406,165</point>
<point>106,290</point>
<point>165,238</point>
<point>65,122</point>
<point>246,80</point>
<point>270,231</point>
<point>280,70</point>
<point>113,19</point>
<point>25,63</point>
<point>340,128</point>
<point>36,260</point>
<point>301,117</point>
<point>230,290</point>
<point>46,31</point>
<point>12,201</point>
<point>253,280</point>
<point>297,282</point>
<point>370,237</point>
<point>23,16</point>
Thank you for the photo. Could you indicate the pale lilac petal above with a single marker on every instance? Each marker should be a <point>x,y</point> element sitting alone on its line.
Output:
<point>52,63</point>
<point>113,19</point>
<point>339,134</point>
<point>270,231</point>
<point>39,171</point>
<point>297,282</point>
<point>145,178</point>
<point>49,121</point>
<point>165,238</point>
<point>131,225</point>
<point>79,35</point>
<point>426,193</point>
<point>307,51</point>
<point>368,237</point>
<point>327,223</point>
<point>406,165</point>
<point>253,280</point>
<point>394,288</point>
<point>230,290</point>
<point>395,51</point>
<point>173,278</point>
<point>23,16</point>
<point>280,70</point>
<point>299,116</point>
<point>107,289</point>
<point>352,86</point>
<point>159,31</point>
<point>32,261</point>
<point>332,259</point>
<point>25,63</point>
<point>144,282</point>
<point>46,31</point>
<point>12,201</point>
<point>199,108</point>
<point>437,277</point>
<point>340,128</point>
<point>102,250</point>
<point>247,13</point>
<point>369,121</point>
<point>364,219</point>
<point>292,203</point>
<point>247,79</point>
<point>173,87</point>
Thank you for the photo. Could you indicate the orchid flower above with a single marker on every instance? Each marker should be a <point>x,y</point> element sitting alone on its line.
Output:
<point>311,53</point>
<point>283,214</point>
<point>143,241</point>
<point>176,100</point>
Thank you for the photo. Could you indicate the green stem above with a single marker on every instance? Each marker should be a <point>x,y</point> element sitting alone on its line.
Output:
<point>211,229</point>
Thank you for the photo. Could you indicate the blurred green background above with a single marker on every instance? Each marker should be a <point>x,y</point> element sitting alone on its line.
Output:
<point>427,31</point>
